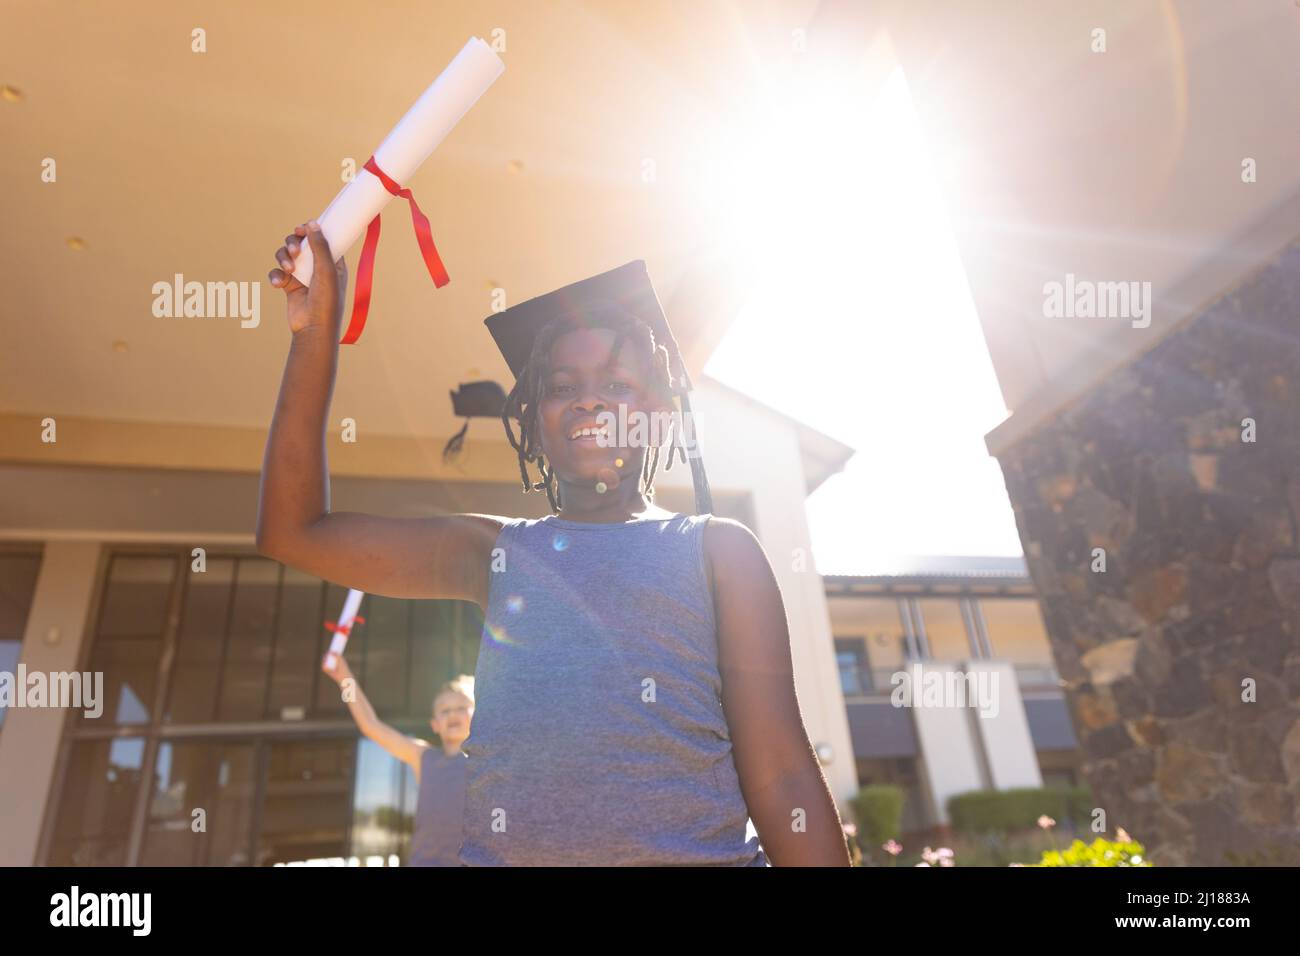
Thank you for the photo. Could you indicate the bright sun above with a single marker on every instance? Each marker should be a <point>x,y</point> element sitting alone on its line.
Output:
<point>858,319</point>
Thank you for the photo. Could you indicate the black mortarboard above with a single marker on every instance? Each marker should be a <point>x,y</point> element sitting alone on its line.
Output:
<point>478,400</point>
<point>473,400</point>
<point>627,289</point>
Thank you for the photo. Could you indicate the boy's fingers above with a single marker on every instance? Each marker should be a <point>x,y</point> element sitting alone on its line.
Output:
<point>285,258</point>
<point>282,280</point>
<point>320,249</point>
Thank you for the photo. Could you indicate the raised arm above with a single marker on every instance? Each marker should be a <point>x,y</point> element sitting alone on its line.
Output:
<point>406,749</point>
<point>440,557</point>
<point>775,761</point>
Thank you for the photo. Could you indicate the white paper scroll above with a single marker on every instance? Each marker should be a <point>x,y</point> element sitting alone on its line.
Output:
<point>403,150</point>
<point>343,628</point>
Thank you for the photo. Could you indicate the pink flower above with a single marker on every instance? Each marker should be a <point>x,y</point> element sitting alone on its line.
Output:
<point>892,848</point>
<point>1046,822</point>
<point>850,829</point>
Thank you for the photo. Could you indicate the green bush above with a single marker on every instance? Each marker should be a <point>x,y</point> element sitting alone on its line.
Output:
<point>879,810</point>
<point>1100,852</point>
<point>1005,811</point>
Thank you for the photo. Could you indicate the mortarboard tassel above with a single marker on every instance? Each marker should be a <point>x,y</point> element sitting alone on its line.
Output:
<point>703,496</point>
<point>454,444</point>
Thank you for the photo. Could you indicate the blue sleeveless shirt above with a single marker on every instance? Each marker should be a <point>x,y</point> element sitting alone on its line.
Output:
<point>598,735</point>
<point>439,809</point>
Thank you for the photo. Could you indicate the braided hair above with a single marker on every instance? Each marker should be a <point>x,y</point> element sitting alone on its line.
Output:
<point>523,402</point>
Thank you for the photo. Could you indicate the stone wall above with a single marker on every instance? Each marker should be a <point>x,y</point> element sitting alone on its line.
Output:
<point>1200,596</point>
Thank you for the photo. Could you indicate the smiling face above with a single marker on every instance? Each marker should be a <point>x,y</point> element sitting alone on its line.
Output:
<point>583,380</point>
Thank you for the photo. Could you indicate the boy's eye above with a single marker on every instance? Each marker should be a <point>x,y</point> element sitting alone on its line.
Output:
<point>559,388</point>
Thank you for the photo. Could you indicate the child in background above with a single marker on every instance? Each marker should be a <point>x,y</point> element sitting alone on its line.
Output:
<point>439,771</point>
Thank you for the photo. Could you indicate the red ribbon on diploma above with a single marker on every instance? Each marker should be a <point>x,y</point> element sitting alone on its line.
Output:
<point>346,630</point>
<point>366,267</point>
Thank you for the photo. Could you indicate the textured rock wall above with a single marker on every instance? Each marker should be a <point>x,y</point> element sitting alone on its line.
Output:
<point>1199,601</point>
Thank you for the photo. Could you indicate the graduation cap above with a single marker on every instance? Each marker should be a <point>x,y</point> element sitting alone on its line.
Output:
<point>473,400</point>
<point>627,290</point>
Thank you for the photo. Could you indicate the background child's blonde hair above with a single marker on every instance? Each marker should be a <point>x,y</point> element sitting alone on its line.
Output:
<point>464,684</point>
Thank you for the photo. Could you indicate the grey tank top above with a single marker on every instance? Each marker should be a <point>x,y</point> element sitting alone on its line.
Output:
<point>439,809</point>
<point>598,735</point>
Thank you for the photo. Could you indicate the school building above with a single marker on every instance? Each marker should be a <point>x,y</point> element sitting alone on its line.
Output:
<point>951,622</point>
<point>127,551</point>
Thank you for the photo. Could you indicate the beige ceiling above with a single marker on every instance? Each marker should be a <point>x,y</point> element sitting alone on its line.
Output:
<point>1054,159</point>
<point>171,161</point>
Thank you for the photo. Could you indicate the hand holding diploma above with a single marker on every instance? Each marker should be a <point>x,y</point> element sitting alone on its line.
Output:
<point>320,308</point>
<point>339,672</point>
<point>342,629</point>
<point>385,174</point>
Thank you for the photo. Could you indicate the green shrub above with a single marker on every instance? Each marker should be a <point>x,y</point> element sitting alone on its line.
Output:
<point>1005,811</point>
<point>1100,852</point>
<point>879,810</point>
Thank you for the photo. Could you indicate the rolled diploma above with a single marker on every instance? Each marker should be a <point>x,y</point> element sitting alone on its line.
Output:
<point>404,149</point>
<point>351,605</point>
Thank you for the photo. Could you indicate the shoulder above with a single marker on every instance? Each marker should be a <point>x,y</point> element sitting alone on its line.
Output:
<point>478,524</point>
<point>727,538</point>
<point>732,553</point>
<point>416,760</point>
<point>477,534</point>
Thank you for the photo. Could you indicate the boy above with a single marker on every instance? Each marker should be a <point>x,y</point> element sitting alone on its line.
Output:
<point>635,690</point>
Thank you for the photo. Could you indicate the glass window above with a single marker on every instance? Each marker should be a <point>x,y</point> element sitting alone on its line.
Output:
<point>93,825</point>
<point>18,574</point>
<point>248,641</point>
<point>468,618</point>
<point>308,805</point>
<point>387,646</point>
<point>135,601</point>
<point>129,638</point>
<point>298,636</point>
<point>851,655</point>
<point>945,629</point>
<point>130,669</point>
<point>212,776</point>
<point>1017,634</point>
<point>878,620</point>
<point>383,816</point>
<point>201,642</point>
<point>248,646</point>
<point>433,653</point>
<point>17,587</point>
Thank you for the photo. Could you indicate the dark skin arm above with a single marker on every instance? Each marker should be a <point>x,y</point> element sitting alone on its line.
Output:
<point>441,557</point>
<point>775,761</point>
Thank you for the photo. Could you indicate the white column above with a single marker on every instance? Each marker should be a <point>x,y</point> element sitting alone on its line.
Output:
<point>946,741</point>
<point>1003,728</point>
